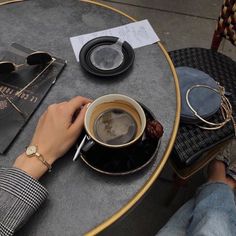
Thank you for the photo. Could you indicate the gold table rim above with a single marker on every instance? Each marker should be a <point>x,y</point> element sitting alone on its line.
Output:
<point>9,1</point>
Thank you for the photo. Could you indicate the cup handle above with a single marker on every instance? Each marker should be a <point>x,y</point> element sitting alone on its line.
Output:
<point>87,146</point>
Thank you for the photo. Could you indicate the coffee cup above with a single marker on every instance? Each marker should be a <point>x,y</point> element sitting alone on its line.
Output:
<point>114,121</point>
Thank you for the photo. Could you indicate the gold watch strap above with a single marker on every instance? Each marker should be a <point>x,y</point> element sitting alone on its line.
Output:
<point>41,158</point>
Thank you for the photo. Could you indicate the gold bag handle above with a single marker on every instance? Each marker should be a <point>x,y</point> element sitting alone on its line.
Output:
<point>226,108</point>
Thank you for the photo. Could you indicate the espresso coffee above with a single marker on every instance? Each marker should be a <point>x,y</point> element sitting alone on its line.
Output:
<point>115,123</point>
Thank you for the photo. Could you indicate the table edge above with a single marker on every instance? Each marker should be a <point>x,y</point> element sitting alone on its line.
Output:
<point>167,152</point>
<point>10,1</point>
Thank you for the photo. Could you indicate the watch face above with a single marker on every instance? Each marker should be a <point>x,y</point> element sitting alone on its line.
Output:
<point>31,150</point>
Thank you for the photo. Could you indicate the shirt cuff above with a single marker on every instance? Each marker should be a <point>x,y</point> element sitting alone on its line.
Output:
<point>23,186</point>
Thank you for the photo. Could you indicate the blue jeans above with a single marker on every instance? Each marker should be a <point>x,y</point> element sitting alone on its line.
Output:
<point>212,212</point>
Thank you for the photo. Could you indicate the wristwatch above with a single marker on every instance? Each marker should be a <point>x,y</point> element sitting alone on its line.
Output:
<point>32,151</point>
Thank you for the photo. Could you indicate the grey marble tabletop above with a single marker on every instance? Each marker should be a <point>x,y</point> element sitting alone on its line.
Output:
<point>81,199</point>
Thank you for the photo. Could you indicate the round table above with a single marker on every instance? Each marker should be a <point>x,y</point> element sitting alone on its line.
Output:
<point>81,200</point>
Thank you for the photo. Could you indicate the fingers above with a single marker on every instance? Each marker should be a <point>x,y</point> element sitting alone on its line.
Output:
<point>77,102</point>
<point>71,113</point>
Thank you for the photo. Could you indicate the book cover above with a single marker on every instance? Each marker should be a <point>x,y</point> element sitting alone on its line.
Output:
<point>16,108</point>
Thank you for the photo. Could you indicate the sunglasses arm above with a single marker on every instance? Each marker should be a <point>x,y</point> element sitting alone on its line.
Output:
<point>31,82</point>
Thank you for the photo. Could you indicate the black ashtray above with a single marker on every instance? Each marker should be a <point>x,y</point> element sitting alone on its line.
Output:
<point>106,56</point>
<point>123,161</point>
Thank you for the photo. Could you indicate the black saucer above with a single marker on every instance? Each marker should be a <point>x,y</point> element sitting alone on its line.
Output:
<point>126,160</point>
<point>86,56</point>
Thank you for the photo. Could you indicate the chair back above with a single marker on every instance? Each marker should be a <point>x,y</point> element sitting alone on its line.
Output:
<point>226,25</point>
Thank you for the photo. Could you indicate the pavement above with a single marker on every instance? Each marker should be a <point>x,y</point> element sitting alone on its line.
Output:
<point>179,24</point>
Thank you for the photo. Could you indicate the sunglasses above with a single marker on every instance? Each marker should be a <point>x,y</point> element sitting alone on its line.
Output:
<point>35,58</point>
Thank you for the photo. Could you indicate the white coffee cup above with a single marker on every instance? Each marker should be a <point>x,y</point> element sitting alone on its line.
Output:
<point>114,121</point>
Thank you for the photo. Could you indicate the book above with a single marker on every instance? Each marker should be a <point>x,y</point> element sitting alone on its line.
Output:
<point>17,108</point>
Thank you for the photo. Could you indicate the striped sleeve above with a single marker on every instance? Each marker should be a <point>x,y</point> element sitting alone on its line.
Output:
<point>20,197</point>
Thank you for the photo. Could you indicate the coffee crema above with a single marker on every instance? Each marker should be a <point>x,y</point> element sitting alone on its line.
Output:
<point>115,123</point>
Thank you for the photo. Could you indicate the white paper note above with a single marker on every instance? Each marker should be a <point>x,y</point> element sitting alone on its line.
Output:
<point>137,34</point>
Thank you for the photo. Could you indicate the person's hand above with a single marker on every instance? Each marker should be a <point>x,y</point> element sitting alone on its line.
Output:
<point>57,130</point>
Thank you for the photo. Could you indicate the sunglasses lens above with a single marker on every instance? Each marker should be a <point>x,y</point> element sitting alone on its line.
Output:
<point>38,58</point>
<point>6,67</point>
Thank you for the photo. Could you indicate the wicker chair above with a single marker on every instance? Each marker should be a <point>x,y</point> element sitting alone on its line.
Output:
<point>226,27</point>
<point>195,147</point>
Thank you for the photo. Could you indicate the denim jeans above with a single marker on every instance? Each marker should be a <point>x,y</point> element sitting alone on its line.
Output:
<point>211,212</point>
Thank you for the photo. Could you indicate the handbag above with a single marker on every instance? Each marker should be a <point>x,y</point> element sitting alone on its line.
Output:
<point>202,97</point>
<point>206,116</point>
